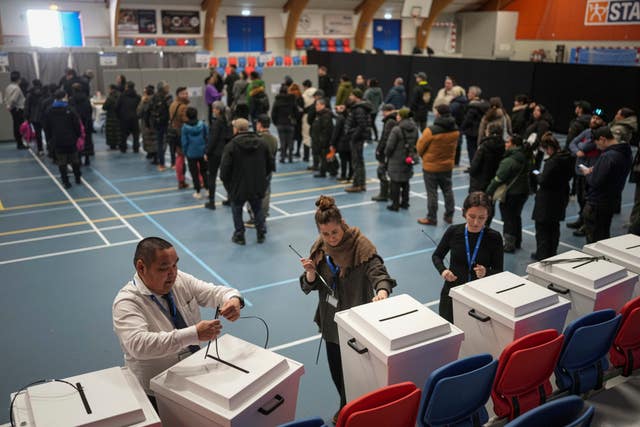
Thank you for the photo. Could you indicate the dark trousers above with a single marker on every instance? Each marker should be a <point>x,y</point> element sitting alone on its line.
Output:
<point>511,211</point>
<point>433,180</point>
<point>37,128</point>
<point>306,150</point>
<point>173,147</point>
<point>160,133</point>
<point>458,151</point>
<point>445,307</point>
<point>422,123</point>
<point>214,165</point>
<point>256,207</point>
<point>472,145</point>
<point>346,171</point>
<point>374,128</point>
<point>400,193</point>
<point>17,116</point>
<point>335,367</point>
<point>132,127</point>
<point>635,211</point>
<point>597,221</point>
<point>581,192</point>
<point>547,238</point>
<point>382,173</point>
<point>198,167</point>
<point>357,163</point>
<point>285,135</point>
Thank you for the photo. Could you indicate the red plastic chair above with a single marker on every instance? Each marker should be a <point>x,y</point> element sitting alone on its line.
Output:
<point>303,59</point>
<point>316,43</point>
<point>394,405</point>
<point>331,42</point>
<point>346,42</point>
<point>288,61</point>
<point>332,49</point>
<point>233,60</point>
<point>252,61</point>
<point>271,62</point>
<point>522,379</point>
<point>347,49</point>
<point>213,62</point>
<point>299,44</point>
<point>625,351</point>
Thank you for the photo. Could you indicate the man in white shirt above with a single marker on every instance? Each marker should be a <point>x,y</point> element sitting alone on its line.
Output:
<point>14,100</point>
<point>156,316</point>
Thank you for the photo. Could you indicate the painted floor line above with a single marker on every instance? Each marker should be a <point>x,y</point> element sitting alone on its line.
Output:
<point>57,236</point>
<point>297,214</point>
<point>277,209</point>
<point>66,193</point>
<point>31,178</point>
<point>71,251</point>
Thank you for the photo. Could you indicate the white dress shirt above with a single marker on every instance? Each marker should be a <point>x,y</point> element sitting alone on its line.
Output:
<point>146,333</point>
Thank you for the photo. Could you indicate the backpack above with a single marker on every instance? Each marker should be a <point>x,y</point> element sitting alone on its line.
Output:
<point>158,111</point>
<point>261,101</point>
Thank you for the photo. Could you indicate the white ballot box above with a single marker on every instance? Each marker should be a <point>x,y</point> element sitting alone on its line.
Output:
<point>589,285</point>
<point>246,386</point>
<point>622,250</point>
<point>496,310</point>
<point>112,398</point>
<point>391,341</point>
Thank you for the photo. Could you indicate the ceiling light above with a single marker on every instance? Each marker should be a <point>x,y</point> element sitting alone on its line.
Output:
<point>387,15</point>
<point>53,7</point>
<point>246,12</point>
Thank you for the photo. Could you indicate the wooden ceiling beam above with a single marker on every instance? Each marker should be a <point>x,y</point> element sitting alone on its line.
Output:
<point>359,7</point>
<point>367,9</point>
<point>211,11</point>
<point>295,9</point>
<point>422,35</point>
<point>495,5</point>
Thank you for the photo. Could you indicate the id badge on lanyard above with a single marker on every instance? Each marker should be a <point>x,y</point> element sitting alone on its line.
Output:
<point>332,300</point>
<point>471,260</point>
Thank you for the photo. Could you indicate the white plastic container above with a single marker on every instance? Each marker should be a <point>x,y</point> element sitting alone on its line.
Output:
<point>391,341</point>
<point>622,250</point>
<point>114,397</point>
<point>496,310</point>
<point>590,286</point>
<point>259,390</point>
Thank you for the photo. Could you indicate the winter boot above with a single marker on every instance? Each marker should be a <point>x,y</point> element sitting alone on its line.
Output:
<point>383,195</point>
<point>509,244</point>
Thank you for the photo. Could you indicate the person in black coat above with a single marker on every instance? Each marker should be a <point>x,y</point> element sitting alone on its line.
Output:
<point>340,142</point>
<point>82,106</point>
<point>321,132</point>
<point>473,113</point>
<point>458,106</point>
<point>389,121</point>
<point>357,125</point>
<point>127,112</point>
<point>326,82</point>
<point>521,114</point>
<point>552,196</point>
<point>45,105</point>
<point>283,116</point>
<point>420,101</point>
<point>219,134</point>
<point>580,122</point>
<point>485,261</point>
<point>541,124</point>
<point>63,124</point>
<point>246,164</point>
<point>33,111</point>
<point>229,80</point>
<point>486,160</point>
<point>400,152</point>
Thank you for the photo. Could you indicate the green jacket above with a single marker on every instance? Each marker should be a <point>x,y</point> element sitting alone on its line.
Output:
<point>253,88</point>
<point>344,90</point>
<point>515,163</point>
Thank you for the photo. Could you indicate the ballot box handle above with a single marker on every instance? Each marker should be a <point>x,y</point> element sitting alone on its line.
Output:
<point>477,316</point>
<point>272,405</point>
<point>553,288</point>
<point>354,345</point>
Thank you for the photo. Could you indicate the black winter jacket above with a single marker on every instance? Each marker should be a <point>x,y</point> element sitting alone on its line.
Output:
<point>32,105</point>
<point>283,111</point>
<point>63,126</point>
<point>127,105</point>
<point>553,188</point>
<point>520,119</point>
<point>246,164</point>
<point>420,108</point>
<point>609,175</point>
<point>484,164</point>
<point>401,144</point>
<point>358,121</point>
<point>322,130</point>
<point>219,134</point>
<point>339,137</point>
<point>388,123</point>
<point>576,127</point>
<point>473,114</point>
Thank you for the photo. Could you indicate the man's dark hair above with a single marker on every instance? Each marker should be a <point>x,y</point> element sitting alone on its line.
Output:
<point>264,121</point>
<point>130,85</point>
<point>516,140</point>
<point>602,132</point>
<point>146,249</point>
<point>180,89</point>
<point>15,76</point>
<point>627,112</point>
<point>345,78</point>
<point>323,68</point>
<point>306,83</point>
<point>255,75</point>
<point>60,94</point>
<point>192,113</point>
<point>522,99</point>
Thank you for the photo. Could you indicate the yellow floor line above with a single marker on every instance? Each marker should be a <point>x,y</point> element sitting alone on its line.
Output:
<point>15,160</point>
<point>1,206</point>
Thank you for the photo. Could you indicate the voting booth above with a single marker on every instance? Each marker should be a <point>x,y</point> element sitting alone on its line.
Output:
<point>391,341</point>
<point>590,285</point>
<point>622,250</point>
<point>109,398</point>
<point>495,310</point>
<point>239,384</point>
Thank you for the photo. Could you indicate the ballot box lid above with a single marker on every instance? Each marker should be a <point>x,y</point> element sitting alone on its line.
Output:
<point>241,373</point>
<point>590,274</point>
<point>108,393</point>
<point>398,322</point>
<point>510,294</point>
<point>626,247</point>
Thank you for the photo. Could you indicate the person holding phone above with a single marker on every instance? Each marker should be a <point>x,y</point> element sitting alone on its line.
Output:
<point>352,274</point>
<point>552,196</point>
<point>475,250</point>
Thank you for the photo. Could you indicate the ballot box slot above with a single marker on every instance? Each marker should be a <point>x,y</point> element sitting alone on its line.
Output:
<point>633,247</point>
<point>229,364</point>
<point>510,289</point>
<point>398,315</point>
<point>585,263</point>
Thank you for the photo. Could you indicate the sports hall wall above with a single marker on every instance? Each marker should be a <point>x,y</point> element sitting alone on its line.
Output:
<point>556,86</point>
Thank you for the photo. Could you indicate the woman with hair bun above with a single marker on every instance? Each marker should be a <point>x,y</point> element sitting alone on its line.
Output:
<point>353,274</point>
<point>476,250</point>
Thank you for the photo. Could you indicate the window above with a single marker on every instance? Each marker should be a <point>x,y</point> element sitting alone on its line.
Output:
<point>386,34</point>
<point>246,33</point>
<point>53,28</point>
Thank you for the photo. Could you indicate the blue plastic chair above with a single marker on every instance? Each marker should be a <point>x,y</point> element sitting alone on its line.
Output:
<point>220,71</point>
<point>564,412</point>
<point>128,42</point>
<point>172,42</point>
<point>444,403</point>
<point>583,356</point>
<point>339,43</point>
<point>307,43</point>
<point>259,70</point>
<point>279,61</point>
<point>222,62</point>
<point>242,62</point>
<point>308,422</point>
<point>296,60</point>
<point>150,42</point>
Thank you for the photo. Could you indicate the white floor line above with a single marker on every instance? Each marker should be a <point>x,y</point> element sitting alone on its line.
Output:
<point>31,178</point>
<point>295,343</point>
<point>352,205</point>
<point>497,221</point>
<point>56,236</point>
<point>71,251</point>
<point>68,196</point>
<point>113,211</point>
<point>277,209</point>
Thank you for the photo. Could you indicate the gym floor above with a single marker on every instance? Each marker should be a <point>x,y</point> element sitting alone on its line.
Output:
<point>65,254</point>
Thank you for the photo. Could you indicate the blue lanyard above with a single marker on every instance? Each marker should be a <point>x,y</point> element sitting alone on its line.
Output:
<point>174,312</point>
<point>335,271</point>
<point>471,259</point>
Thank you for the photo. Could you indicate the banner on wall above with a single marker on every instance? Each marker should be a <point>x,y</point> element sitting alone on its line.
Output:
<point>309,25</point>
<point>338,25</point>
<point>180,21</point>
<point>128,21</point>
<point>202,57</point>
<point>4,59</point>
<point>109,59</point>
<point>147,22</point>
<point>612,12</point>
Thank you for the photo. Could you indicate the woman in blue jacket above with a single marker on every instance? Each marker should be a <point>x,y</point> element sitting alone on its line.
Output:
<point>194,143</point>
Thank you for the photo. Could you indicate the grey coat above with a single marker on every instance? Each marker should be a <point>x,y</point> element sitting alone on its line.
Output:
<point>401,144</point>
